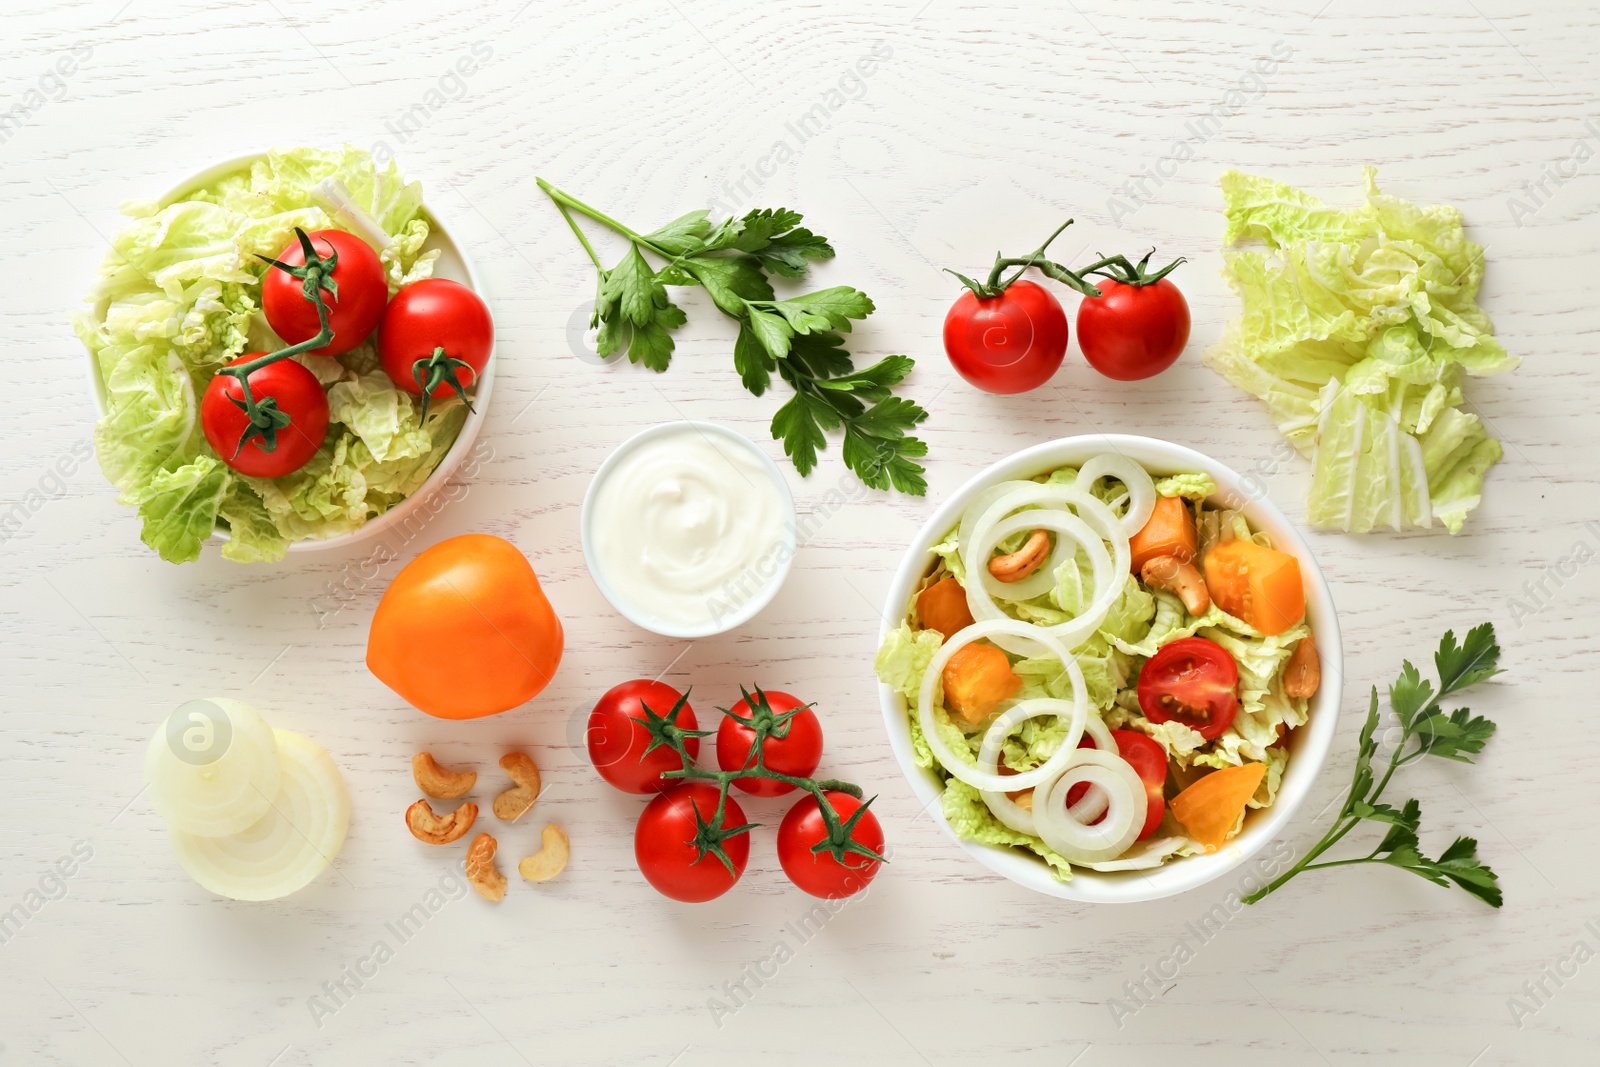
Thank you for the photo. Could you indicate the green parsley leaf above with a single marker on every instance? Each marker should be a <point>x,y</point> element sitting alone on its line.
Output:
<point>826,309</point>
<point>1409,694</point>
<point>751,359</point>
<point>796,425</point>
<point>683,234</point>
<point>1474,660</point>
<point>822,356</point>
<point>632,306</point>
<point>1454,736</point>
<point>729,280</point>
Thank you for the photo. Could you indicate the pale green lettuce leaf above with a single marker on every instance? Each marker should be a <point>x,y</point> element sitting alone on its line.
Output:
<point>252,535</point>
<point>151,417</point>
<point>385,418</point>
<point>972,820</point>
<point>1188,486</point>
<point>178,508</point>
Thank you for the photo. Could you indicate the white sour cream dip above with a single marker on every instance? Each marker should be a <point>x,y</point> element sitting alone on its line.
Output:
<point>689,529</point>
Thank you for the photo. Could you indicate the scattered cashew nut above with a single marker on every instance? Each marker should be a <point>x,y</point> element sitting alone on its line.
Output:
<point>551,859</point>
<point>1176,576</point>
<point>1303,674</point>
<point>489,882</point>
<point>516,801</point>
<point>437,782</point>
<point>1024,561</point>
<point>431,828</point>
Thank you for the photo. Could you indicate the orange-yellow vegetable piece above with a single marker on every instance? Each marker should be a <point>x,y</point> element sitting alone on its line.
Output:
<point>1169,532</point>
<point>1258,585</point>
<point>943,607</point>
<point>976,679</point>
<point>464,630</point>
<point>1210,808</point>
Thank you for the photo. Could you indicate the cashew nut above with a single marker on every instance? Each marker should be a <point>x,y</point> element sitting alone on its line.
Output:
<point>516,801</point>
<point>437,782</point>
<point>489,882</point>
<point>1024,561</point>
<point>1303,674</point>
<point>431,828</point>
<point>1176,576</point>
<point>551,859</point>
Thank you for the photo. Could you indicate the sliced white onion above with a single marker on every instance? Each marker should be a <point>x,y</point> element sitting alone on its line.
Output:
<point>1072,533</point>
<point>1143,855</point>
<point>1106,840</point>
<point>296,840</point>
<point>1108,581</point>
<point>1005,809</point>
<point>980,504</point>
<point>1075,712</point>
<point>1094,801</point>
<point>1141,487</point>
<point>212,768</point>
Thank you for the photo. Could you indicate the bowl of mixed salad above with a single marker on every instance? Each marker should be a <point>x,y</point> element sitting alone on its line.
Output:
<point>385,372</point>
<point>1112,665</point>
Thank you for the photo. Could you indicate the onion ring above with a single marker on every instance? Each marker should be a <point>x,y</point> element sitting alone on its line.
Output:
<point>1124,818</point>
<point>1141,487</point>
<point>1107,574</point>
<point>1076,712</point>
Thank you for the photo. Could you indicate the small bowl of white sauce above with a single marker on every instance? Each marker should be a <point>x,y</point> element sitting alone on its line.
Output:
<point>688,529</point>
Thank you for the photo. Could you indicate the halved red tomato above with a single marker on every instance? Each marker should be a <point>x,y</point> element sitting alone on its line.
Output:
<point>1192,681</point>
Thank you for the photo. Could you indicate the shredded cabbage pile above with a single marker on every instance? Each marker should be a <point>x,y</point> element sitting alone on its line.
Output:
<point>1357,326</point>
<point>178,296</point>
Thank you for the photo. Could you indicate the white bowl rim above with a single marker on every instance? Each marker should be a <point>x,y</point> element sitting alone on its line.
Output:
<point>459,449</point>
<point>1312,741</point>
<point>751,607</point>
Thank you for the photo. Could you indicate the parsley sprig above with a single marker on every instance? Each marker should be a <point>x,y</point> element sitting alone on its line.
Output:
<point>1426,730</point>
<point>799,338</point>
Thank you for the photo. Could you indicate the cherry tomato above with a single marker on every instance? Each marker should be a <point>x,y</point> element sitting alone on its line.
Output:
<point>353,314</point>
<point>819,873</point>
<point>663,844</point>
<point>1008,343</point>
<point>1145,756</point>
<point>617,742</point>
<point>1133,331</point>
<point>427,316</point>
<point>1192,681</point>
<point>293,390</point>
<point>797,753</point>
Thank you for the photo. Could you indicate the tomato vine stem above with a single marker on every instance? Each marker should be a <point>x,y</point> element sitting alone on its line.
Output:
<point>265,418</point>
<point>1118,268</point>
<point>764,723</point>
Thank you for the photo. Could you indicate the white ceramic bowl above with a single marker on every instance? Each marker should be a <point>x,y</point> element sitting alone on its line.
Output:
<point>784,549</point>
<point>453,263</point>
<point>1310,744</point>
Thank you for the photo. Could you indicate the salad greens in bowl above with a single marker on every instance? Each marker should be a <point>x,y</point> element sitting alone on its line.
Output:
<point>180,298</point>
<point>1112,665</point>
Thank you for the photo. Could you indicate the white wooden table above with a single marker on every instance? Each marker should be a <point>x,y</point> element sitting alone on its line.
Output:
<point>981,126</point>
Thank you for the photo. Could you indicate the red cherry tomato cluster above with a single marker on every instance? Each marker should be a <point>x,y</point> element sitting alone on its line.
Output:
<point>266,415</point>
<point>1007,335</point>
<point>692,842</point>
